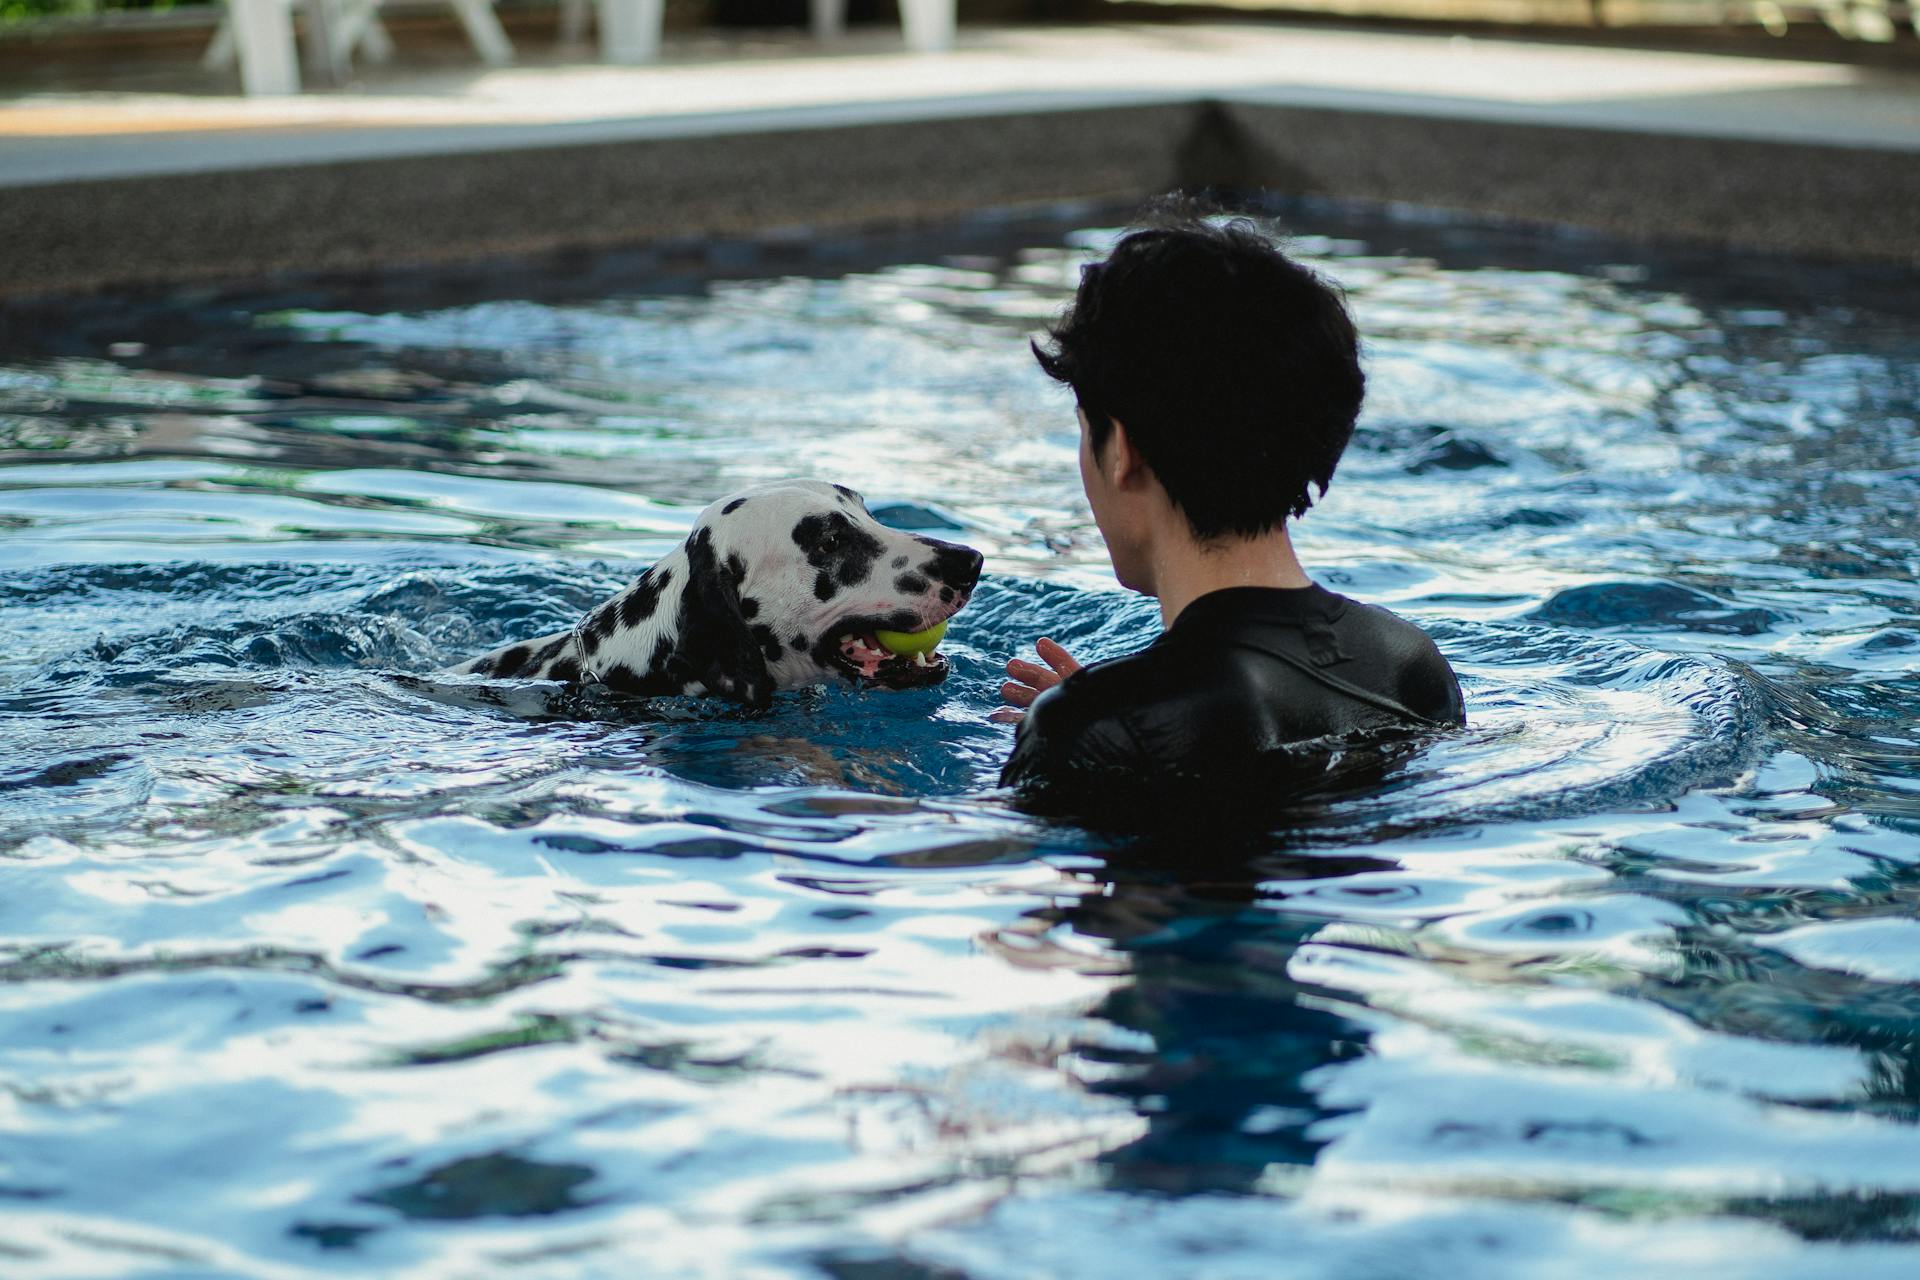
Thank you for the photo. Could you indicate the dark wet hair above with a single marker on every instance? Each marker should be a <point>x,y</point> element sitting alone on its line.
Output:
<point>1235,370</point>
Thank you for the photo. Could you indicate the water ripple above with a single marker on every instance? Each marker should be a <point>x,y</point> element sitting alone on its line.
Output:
<point>314,961</point>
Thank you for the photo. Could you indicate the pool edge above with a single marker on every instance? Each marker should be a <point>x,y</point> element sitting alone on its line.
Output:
<point>476,203</point>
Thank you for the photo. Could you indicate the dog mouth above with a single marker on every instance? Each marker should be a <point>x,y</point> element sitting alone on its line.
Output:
<point>862,656</point>
<point>855,652</point>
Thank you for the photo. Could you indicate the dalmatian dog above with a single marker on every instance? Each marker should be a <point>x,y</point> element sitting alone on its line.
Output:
<point>776,587</point>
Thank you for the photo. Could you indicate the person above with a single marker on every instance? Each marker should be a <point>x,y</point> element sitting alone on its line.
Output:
<point>1217,383</point>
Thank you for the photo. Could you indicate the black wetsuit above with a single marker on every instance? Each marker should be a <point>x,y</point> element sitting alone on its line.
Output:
<point>1241,675</point>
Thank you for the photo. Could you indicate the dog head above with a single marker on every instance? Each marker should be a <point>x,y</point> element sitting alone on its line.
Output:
<point>813,576</point>
<point>777,587</point>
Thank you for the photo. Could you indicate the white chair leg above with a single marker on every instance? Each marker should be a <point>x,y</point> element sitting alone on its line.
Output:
<point>350,25</point>
<point>220,50</point>
<point>1872,20</point>
<point>928,25</point>
<point>263,37</point>
<point>483,29</point>
<point>375,43</point>
<point>829,17</point>
<point>630,30</point>
<point>329,40</point>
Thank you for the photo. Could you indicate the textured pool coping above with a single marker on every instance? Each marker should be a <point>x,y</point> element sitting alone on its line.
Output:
<point>102,189</point>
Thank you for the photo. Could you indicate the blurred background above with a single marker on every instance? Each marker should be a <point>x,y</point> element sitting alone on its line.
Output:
<point>70,43</point>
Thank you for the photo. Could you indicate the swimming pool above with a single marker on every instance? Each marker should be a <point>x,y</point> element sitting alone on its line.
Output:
<point>309,965</point>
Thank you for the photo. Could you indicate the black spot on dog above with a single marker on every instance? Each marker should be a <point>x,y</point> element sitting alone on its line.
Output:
<point>713,645</point>
<point>511,661</point>
<point>566,669</point>
<point>551,649</point>
<point>953,564</point>
<point>733,506</point>
<point>841,552</point>
<point>899,562</point>
<point>799,644</point>
<point>647,684</point>
<point>911,584</point>
<point>847,494</point>
<point>643,597</point>
<point>737,569</point>
<point>769,642</point>
<point>817,536</point>
<point>749,607</point>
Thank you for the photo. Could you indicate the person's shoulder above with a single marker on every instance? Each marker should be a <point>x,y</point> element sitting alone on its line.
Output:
<point>1099,697</point>
<point>1377,618</point>
<point>1080,729</point>
<point>1408,661</point>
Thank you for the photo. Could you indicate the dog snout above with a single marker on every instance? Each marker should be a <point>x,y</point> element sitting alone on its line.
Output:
<point>956,566</point>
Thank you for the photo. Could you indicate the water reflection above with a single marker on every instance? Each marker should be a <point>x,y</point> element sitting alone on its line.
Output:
<point>312,960</point>
<point>1227,1039</point>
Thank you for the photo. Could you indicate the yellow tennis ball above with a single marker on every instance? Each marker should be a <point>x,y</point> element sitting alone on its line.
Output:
<point>911,642</point>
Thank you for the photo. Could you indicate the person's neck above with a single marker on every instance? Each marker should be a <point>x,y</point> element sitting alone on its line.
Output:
<point>1184,568</point>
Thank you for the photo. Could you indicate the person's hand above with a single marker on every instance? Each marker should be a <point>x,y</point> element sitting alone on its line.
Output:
<point>1030,681</point>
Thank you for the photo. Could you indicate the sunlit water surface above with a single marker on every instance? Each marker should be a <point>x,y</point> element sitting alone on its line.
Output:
<point>313,964</point>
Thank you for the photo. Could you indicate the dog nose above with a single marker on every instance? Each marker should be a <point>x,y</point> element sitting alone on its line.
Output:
<point>957,566</point>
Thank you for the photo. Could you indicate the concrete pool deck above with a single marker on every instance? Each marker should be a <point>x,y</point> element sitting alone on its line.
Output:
<point>111,186</point>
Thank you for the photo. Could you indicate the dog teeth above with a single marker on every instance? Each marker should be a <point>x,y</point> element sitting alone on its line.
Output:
<point>870,658</point>
<point>863,655</point>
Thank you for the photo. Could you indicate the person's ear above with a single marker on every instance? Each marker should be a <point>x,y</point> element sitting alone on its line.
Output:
<point>1126,468</point>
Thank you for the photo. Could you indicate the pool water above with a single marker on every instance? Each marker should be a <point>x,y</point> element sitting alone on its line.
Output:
<point>315,963</point>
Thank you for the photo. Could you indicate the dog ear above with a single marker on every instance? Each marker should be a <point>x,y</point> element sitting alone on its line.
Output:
<point>725,655</point>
